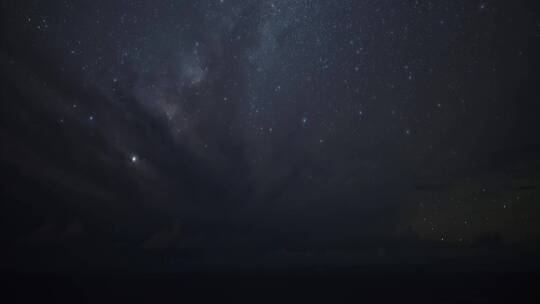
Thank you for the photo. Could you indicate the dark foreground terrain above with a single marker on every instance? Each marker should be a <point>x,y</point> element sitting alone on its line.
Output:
<point>389,284</point>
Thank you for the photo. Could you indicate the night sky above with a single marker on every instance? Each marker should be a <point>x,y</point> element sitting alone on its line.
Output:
<point>177,135</point>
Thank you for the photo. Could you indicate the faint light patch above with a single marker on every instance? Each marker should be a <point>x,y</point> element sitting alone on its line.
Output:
<point>190,71</point>
<point>192,74</point>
